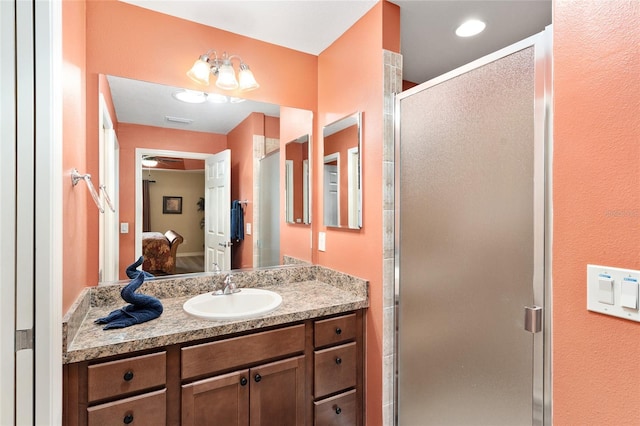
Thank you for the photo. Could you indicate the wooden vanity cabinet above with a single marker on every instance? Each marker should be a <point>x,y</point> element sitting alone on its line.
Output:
<point>338,371</point>
<point>289,375</point>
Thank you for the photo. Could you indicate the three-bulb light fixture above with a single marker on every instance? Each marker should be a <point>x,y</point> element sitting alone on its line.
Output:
<point>222,68</point>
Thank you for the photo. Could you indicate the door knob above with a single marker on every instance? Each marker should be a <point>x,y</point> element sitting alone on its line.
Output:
<point>533,319</point>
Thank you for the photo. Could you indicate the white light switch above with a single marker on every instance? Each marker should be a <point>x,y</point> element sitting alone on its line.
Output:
<point>124,228</point>
<point>629,293</point>
<point>322,241</point>
<point>605,289</point>
<point>613,291</point>
<point>248,228</point>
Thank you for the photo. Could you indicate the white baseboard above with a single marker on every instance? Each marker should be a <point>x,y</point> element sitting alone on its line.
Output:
<point>197,253</point>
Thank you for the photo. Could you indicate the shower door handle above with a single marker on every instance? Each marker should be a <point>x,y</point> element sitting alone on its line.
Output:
<point>533,319</point>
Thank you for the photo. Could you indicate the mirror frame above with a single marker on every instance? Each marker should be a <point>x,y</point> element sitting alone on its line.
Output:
<point>328,130</point>
<point>306,184</point>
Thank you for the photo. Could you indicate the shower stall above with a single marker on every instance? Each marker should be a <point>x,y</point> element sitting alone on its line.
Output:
<point>472,243</point>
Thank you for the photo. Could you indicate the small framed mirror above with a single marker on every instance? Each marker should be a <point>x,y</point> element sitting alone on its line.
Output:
<point>342,177</point>
<point>297,188</point>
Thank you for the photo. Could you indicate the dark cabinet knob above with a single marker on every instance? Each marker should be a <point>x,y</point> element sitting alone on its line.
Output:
<point>243,381</point>
<point>128,376</point>
<point>338,410</point>
<point>338,331</point>
<point>257,378</point>
<point>338,360</point>
<point>128,419</point>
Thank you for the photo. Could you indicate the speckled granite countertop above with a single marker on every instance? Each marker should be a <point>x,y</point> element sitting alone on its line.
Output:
<point>307,292</point>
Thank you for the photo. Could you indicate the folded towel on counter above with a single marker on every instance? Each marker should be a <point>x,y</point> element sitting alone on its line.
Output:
<point>142,307</point>
<point>132,270</point>
<point>237,221</point>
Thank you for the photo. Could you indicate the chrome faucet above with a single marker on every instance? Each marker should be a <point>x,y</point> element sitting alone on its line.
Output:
<point>229,287</point>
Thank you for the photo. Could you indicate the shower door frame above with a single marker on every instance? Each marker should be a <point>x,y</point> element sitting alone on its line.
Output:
<point>543,155</point>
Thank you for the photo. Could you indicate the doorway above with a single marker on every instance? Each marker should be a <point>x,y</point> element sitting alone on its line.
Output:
<point>472,242</point>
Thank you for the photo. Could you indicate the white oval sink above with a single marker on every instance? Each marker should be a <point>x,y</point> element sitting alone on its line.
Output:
<point>248,303</point>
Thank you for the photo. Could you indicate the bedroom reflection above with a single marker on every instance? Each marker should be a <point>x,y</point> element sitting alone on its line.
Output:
<point>152,124</point>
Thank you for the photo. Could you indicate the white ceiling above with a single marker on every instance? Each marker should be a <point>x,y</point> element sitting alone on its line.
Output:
<point>429,45</point>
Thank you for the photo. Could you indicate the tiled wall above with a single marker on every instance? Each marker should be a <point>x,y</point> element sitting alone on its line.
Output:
<point>392,85</point>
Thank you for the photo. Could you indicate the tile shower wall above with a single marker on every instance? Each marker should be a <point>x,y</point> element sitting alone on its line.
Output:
<point>392,85</point>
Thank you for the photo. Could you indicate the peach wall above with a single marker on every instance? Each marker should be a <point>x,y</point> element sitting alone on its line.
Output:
<point>295,239</point>
<point>359,252</point>
<point>596,206</point>
<point>76,273</point>
<point>297,153</point>
<point>240,141</point>
<point>132,136</point>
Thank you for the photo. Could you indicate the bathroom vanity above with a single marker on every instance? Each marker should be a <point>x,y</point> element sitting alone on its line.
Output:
<point>302,363</point>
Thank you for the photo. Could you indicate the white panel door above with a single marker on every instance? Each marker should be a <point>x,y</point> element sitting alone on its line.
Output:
<point>218,211</point>
<point>7,213</point>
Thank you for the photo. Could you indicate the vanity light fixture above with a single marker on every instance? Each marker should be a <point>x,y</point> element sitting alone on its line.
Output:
<point>222,68</point>
<point>470,27</point>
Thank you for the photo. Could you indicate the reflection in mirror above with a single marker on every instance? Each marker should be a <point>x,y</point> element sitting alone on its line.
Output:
<point>342,180</point>
<point>152,123</point>
<point>297,181</point>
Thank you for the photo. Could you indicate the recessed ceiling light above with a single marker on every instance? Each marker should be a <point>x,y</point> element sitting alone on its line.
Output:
<point>217,98</point>
<point>235,100</point>
<point>470,28</point>
<point>190,96</point>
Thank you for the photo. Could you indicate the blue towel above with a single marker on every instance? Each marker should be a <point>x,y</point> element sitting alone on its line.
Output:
<point>133,272</point>
<point>237,221</point>
<point>142,308</point>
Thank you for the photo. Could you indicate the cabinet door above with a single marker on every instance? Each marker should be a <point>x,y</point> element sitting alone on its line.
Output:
<point>277,393</point>
<point>221,401</point>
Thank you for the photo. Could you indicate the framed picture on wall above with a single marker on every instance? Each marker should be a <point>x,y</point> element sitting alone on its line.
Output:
<point>171,205</point>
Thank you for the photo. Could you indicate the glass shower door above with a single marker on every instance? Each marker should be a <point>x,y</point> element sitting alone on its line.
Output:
<point>468,245</point>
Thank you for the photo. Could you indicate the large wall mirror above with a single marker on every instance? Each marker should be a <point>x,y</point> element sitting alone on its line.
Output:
<point>166,147</point>
<point>342,177</point>
<point>297,181</point>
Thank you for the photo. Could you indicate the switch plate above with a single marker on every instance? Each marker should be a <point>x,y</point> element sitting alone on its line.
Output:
<point>322,241</point>
<point>248,232</point>
<point>613,291</point>
<point>124,228</point>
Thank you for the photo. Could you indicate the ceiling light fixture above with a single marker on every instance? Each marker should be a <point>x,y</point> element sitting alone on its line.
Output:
<point>190,96</point>
<point>222,68</point>
<point>470,28</point>
<point>149,162</point>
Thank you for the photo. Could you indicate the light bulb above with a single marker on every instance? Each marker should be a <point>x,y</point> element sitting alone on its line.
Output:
<point>470,28</point>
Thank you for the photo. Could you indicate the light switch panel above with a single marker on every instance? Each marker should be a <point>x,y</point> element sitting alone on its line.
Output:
<point>613,291</point>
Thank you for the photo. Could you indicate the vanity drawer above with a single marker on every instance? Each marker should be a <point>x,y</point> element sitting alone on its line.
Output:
<point>209,358</point>
<point>115,378</point>
<point>335,369</point>
<point>339,410</point>
<point>334,330</point>
<point>147,409</point>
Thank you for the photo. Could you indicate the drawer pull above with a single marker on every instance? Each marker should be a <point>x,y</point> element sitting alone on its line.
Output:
<point>338,410</point>
<point>128,419</point>
<point>257,378</point>
<point>128,376</point>
<point>338,360</point>
<point>243,381</point>
<point>338,331</point>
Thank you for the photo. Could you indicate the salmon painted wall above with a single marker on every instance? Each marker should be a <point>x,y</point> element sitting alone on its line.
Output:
<point>132,136</point>
<point>596,206</point>
<point>111,37</point>
<point>75,199</point>
<point>296,153</point>
<point>240,141</point>
<point>359,252</point>
<point>295,239</point>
